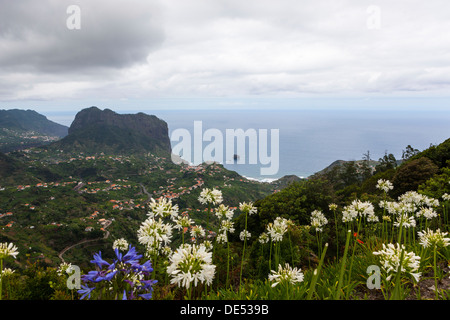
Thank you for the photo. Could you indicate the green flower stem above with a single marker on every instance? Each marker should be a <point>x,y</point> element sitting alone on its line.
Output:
<point>243,250</point>
<point>316,275</point>
<point>353,253</point>
<point>228,262</point>
<point>337,235</point>
<point>435,272</point>
<point>344,260</point>
<point>397,292</point>
<point>270,255</point>
<point>290,244</point>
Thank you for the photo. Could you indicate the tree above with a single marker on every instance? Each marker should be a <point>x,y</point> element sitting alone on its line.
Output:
<point>387,162</point>
<point>409,176</point>
<point>349,175</point>
<point>409,152</point>
<point>366,170</point>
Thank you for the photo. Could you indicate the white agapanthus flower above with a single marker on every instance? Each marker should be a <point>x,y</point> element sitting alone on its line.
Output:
<point>390,260</point>
<point>263,238</point>
<point>198,232</point>
<point>318,220</point>
<point>277,229</point>
<point>65,269</point>
<point>183,222</point>
<point>191,264</point>
<point>154,233</point>
<point>356,209</point>
<point>286,275</point>
<point>227,226</point>
<point>8,250</point>
<point>6,272</point>
<point>332,206</point>
<point>248,208</point>
<point>120,244</point>
<point>244,235</point>
<point>224,212</point>
<point>384,185</point>
<point>418,199</point>
<point>222,237</point>
<point>427,213</point>
<point>431,238</point>
<point>210,196</point>
<point>405,221</point>
<point>396,208</point>
<point>163,208</point>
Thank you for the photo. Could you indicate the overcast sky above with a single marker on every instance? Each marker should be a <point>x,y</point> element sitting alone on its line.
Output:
<point>223,53</point>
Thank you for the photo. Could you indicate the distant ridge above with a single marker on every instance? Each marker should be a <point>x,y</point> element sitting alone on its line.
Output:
<point>30,120</point>
<point>22,129</point>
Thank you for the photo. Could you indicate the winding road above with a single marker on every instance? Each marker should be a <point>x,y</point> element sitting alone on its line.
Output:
<point>107,223</point>
<point>105,236</point>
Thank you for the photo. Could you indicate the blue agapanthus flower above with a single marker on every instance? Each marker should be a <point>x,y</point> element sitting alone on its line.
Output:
<point>124,278</point>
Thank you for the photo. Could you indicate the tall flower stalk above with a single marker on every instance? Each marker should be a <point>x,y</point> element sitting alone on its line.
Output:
<point>227,226</point>
<point>333,207</point>
<point>318,220</point>
<point>385,186</point>
<point>343,264</point>
<point>276,231</point>
<point>210,197</point>
<point>247,209</point>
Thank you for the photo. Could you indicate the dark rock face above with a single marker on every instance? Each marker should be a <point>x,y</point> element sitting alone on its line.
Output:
<point>121,132</point>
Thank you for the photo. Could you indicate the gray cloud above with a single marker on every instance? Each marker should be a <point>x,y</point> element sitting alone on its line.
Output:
<point>223,48</point>
<point>34,36</point>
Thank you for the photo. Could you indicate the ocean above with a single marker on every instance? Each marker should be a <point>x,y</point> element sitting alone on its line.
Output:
<point>308,140</point>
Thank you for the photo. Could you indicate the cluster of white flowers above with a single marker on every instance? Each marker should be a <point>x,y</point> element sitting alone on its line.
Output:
<point>154,233</point>
<point>419,200</point>
<point>358,209</point>
<point>390,260</point>
<point>396,208</point>
<point>286,275</point>
<point>210,196</point>
<point>8,250</point>
<point>405,221</point>
<point>120,244</point>
<point>411,204</point>
<point>163,208</point>
<point>197,232</point>
<point>226,226</point>
<point>263,238</point>
<point>6,272</point>
<point>332,206</point>
<point>278,228</point>
<point>248,208</point>
<point>427,213</point>
<point>224,212</point>
<point>183,222</point>
<point>318,220</point>
<point>431,238</point>
<point>244,235</point>
<point>191,263</point>
<point>65,269</point>
<point>384,185</point>
<point>446,197</point>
